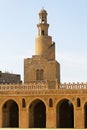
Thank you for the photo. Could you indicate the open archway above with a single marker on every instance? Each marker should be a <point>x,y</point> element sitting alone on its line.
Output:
<point>37,114</point>
<point>65,114</point>
<point>10,114</point>
<point>85,115</point>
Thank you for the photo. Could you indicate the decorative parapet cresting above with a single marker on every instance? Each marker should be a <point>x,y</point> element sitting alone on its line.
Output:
<point>71,85</point>
<point>40,85</point>
<point>41,88</point>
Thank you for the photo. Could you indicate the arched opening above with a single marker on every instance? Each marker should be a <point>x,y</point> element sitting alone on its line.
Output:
<point>10,114</point>
<point>37,114</point>
<point>85,115</point>
<point>42,32</point>
<point>50,102</point>
<point>65,114</point>
<point>39,74</point>
<point>43,19</point>
<point>23,103</point>
<point>78,102</point>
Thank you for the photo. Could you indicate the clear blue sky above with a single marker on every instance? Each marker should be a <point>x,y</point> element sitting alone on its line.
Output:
<point>68,28</point>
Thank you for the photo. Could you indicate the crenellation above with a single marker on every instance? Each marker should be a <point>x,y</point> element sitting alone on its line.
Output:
<point>43,85</point>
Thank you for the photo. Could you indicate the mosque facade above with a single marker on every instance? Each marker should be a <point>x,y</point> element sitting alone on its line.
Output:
<point>42,101</point>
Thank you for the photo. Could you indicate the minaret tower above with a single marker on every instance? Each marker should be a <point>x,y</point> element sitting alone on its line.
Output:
<point>42,25</point>
<point>42,66</point>
<point>43,42</point>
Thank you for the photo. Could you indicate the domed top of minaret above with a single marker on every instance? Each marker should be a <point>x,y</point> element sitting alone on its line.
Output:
<point>43,11</point>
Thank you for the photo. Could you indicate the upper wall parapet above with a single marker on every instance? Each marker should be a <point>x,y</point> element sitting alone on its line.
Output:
<point>72,85</point>
<point>42,85</point>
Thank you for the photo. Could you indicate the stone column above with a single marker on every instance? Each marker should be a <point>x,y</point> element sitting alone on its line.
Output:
<point>51,118</point>
<point>78,118</point>
<point>23,118</point>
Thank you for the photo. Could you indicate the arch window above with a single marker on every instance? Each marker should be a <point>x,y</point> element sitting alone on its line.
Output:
<point>23,103</point>
<point>78,102</point>
<point>39,74</point>
<point>42,19</point>
<point>42,32</point>
<point>50,102</point>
